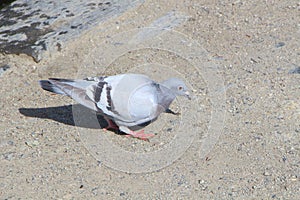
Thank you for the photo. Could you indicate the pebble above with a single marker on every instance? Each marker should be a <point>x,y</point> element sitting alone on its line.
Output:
<point>296,70</point>
<point>202,184</point>
<point>122,193</point>
<point>8,156</point>
<point>32,143</point>
<point>279,44</point>
<point>267,173</point>
<point>3,69</point>
<point>6,142</point>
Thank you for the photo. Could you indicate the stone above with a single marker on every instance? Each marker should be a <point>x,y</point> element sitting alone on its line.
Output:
<point>34,27</point>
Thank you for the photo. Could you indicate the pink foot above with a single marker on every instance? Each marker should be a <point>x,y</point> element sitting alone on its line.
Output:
<point>140,135</point>
<point>111,125</point>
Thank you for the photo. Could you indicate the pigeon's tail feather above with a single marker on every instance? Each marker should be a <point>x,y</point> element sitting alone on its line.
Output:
<point>62,80</point>
<point>75,89</point>
<point>49,86</point>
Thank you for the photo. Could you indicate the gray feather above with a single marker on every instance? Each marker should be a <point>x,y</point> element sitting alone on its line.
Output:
<point>47,85</point>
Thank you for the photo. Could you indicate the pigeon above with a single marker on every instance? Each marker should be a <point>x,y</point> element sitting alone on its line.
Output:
<point>125,100</point>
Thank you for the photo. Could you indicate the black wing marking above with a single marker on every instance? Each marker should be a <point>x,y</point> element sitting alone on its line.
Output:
<point>98,91</point>
<point>110,103</point>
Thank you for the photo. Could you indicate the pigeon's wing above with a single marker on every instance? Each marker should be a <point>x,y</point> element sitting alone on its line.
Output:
<point>100,93</point>
<point>112,94</point>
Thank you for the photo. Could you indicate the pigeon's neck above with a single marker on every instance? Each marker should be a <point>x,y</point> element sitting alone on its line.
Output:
<point>165,96</point>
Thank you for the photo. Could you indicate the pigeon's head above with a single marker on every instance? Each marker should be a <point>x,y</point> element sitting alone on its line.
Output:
<point>177,86</point>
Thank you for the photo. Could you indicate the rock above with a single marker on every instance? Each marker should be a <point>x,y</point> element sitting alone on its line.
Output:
<point>32,143</point>
<point>267,173</point>
<point>8,156</point>
<point>33,27</point>
<point>3,69</point>
<point>279,44</point>
<point>296,70</point>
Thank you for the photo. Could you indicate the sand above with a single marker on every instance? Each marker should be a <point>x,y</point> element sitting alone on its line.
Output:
<point>238,138</point>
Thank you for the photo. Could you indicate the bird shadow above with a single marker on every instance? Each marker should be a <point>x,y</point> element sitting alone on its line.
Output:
<point>73,115</point>
<point>77,115</point>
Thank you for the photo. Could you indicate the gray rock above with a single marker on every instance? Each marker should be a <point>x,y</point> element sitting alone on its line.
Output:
<point>3,69</point>
<point>33,27</point>
<point>296,70</point>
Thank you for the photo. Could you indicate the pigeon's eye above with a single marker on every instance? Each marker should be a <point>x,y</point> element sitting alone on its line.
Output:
<point>180,88</point>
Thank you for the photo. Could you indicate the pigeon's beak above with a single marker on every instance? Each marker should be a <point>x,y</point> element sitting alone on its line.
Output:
<point>187,94</point>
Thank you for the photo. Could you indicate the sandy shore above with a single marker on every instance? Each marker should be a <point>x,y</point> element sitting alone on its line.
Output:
<point>238,138</point>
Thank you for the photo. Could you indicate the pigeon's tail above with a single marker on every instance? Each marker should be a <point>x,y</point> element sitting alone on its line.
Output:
<point>64,86</point>
<point>49,86</point>
<point>75,89</point>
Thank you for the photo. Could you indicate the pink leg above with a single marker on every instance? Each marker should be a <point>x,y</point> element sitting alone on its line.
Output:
<point>140,135</point>
<point>111,125</point>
